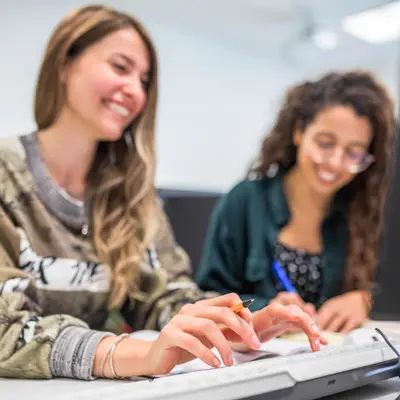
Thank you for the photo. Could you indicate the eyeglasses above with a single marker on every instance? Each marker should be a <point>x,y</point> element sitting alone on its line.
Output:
<point>354,161</point>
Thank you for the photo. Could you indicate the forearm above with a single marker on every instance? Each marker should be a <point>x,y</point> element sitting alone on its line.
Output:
<point>73,352</point>
<point>27,340</point>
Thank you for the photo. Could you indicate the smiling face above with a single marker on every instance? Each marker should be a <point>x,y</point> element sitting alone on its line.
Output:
<point>331,144</point>
<point>106,85</point>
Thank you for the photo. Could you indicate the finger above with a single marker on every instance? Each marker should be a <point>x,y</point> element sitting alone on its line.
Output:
<point>309,308</point>
<point>226,300</point>
<point>323,341</point>
<point>309,327</point>
<point>225,316</point>
<point>208,328</point>
<point>288,298</point>
<point>324,315</point>
<point>349,326</point>
<point>293,315</point>
<point>175,337</point>
<point>246,315</point>
<point>337,322</point>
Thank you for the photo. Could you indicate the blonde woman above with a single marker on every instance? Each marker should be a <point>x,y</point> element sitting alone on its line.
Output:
<point>82,233</point>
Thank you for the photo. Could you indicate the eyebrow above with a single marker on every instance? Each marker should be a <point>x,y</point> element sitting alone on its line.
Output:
<point>331,135</point>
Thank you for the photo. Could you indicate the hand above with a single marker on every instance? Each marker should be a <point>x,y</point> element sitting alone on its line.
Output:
<point>288,298</point>
<point>343,313</point>
<point>191,333</point>
<point>275,319</point>
<point>199,327</point>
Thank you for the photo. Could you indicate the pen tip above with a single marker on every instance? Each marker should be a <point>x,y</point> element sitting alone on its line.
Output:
<point>247,303</point>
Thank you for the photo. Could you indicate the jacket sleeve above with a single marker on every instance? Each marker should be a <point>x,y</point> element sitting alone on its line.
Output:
<point>33,345</point>
<point>225,256</point>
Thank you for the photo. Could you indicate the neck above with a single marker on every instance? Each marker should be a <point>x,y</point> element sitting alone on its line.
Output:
<point>302,198</point>
<point>68,152</point>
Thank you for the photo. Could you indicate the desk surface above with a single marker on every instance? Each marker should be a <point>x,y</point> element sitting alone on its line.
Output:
<point>46,390</point>
<point>11,389</point>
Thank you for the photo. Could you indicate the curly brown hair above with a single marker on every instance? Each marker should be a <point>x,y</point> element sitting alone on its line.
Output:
<point>366,193</point>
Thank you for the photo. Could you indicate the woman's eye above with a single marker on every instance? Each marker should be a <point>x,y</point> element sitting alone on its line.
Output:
<point>325,145</point>
<point>119,67</point>
<point>356,155</point>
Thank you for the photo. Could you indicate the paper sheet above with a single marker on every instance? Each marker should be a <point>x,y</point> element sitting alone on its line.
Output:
<point>331,337</point>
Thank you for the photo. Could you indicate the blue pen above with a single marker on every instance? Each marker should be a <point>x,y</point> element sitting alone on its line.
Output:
<point>282,277</point>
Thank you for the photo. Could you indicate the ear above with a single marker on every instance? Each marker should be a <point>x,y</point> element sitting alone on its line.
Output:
<point>65,71</point>
<point>297,137</point>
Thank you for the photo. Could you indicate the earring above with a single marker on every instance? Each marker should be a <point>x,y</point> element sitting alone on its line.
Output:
<point>128,140</point>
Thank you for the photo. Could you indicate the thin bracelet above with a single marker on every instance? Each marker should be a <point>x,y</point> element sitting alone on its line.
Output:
<point>112,349</point>
<point>103,361</point>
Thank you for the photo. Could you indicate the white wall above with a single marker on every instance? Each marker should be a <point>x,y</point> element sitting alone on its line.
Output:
<point>215,100</point>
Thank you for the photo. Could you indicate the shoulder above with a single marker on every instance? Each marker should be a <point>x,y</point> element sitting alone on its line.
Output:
<point>14,173</point>
<point>251,190</point>
<point>12,152</point>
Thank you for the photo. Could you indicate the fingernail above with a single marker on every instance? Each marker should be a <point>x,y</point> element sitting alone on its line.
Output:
<point>315,328</point>
<point>230,359</point>
<point>255,341</point>
<point>216,362</point>
<point>317,342</point>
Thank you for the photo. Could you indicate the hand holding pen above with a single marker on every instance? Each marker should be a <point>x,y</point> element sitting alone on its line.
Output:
<point>289,295</point>
<point>221,322</point>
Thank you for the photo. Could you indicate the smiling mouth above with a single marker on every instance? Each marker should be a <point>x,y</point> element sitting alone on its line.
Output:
<point>117,108</point>
<point>326,176</point>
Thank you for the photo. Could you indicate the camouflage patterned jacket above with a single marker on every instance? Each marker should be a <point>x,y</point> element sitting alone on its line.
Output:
<point>54,290</point>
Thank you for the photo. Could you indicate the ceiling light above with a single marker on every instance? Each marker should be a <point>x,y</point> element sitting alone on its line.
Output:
<point>376,25</point>
<point>325,40</point>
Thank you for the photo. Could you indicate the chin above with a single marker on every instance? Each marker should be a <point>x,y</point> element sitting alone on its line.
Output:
<point>111,135</point>
<point>325,188</point>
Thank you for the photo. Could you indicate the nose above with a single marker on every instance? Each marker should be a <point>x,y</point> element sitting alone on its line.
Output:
<point>337,159</point>
<point>133,88</point>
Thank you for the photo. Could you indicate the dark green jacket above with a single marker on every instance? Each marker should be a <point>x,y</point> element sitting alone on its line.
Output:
<point>240,245</point>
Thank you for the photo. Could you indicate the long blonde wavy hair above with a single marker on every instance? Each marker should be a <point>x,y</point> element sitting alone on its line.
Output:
<point>124,207</point>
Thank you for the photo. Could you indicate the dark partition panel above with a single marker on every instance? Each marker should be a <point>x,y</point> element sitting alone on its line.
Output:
<point>387,291</point>
<point>189,213</point>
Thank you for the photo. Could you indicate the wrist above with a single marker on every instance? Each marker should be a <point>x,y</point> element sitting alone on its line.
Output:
<point>367,300</point>
<point>101,350</point>
<point>129,357</point>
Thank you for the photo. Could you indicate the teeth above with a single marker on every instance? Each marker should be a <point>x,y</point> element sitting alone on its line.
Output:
<point>118,109</point>
<point>327,176</point>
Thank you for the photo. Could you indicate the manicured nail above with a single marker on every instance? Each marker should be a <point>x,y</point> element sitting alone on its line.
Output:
<point>315,328</point>
<point>230,359</point>
<point>255,341</point>
<point>216,362</point>
<point>317,342</point>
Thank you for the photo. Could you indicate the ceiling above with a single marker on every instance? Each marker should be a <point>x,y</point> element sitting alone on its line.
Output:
<point>279,29</point>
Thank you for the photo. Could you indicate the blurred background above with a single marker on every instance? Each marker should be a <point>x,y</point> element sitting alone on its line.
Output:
<point>224,65</point>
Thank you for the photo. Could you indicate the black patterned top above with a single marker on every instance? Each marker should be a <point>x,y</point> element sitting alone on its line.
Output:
<point>303,269</point>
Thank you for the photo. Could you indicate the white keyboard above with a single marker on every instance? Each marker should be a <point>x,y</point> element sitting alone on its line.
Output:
<point>331,370</point>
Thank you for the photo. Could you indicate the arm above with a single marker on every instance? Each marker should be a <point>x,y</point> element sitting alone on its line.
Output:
<point>33,345</point>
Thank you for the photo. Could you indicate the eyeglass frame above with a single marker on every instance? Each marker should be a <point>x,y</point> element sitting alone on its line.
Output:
<point>366,162</point>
